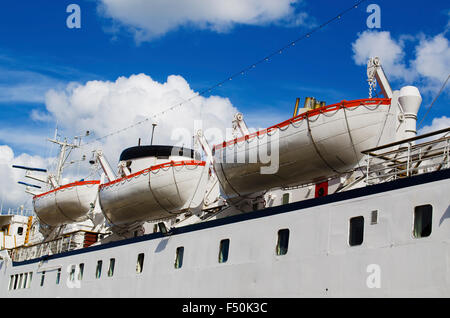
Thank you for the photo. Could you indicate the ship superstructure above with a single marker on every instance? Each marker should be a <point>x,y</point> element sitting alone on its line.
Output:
<point>312,206</point>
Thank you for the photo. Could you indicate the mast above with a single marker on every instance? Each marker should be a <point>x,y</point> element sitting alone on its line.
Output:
<point>62,156</point>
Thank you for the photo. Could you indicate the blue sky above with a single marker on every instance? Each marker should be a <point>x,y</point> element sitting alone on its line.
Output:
<point>38,53</point>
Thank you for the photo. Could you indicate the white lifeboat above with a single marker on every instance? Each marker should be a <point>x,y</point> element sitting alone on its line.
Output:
<point>315,145</point>
<point>67,204</point>
<point>172,182</point>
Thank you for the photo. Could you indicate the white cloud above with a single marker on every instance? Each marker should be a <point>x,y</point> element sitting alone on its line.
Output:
<point>24,86</point>
<point>437,124</point>
<point>12,194</point>
<point>103,107</point>
<point>429,67</point>
<point>433,60</point>
<point>374,43</point>
<point>150,19</point>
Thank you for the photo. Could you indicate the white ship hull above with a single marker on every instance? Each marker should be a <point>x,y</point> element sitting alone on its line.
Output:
<point>319,261</point>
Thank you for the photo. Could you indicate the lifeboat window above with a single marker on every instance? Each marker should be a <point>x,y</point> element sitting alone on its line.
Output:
<point>98,271</point>
<point>58,276</point>
<point>283,242</point>
<point>179,257</point>
<point>140,263</point>
<point>223,250</point>
<point>112,262</point>
<point>80,273</point>
<point>19,230</point>
<point>286,198</point>
<point>423,216</point>
<point>42,278</point>
<point>356,233</point>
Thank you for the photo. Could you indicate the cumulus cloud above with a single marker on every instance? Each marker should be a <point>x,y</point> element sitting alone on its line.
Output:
<point>429,66</point>
<point>12,195</point>
<point>103,107</point>
<point>151,19</point>
<point>437,124</point>
<point>374,43</point>
<point>433,59</point>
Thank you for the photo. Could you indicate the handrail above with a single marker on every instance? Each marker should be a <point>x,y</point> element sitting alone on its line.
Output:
<point>437,132</point>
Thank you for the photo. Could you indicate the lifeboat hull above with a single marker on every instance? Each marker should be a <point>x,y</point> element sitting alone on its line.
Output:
<point>310,147</point>
<point>67,204</point>
<point>159,192</point>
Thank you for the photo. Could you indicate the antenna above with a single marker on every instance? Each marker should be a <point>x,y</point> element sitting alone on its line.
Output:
<point>62,154</point>
<point>153,132</point>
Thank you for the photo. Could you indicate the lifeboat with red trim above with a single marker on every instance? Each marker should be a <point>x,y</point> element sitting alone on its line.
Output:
<point>66,204</point>
<point>317,144</point>
<point>168,181</point>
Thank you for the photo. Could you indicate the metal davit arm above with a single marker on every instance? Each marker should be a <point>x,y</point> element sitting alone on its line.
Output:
<point>375,71</point>
<point>100,158</point>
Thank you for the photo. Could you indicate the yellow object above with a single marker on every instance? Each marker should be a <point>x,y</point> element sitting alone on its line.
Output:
<point>27,235</point>
<point>308,103</point>
<point>296,107</point>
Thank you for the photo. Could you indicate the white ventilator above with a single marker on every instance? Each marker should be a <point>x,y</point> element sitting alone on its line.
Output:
<point>410,100</point>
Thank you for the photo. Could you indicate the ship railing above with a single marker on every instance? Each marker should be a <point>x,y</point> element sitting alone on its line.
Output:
<point>407,158</point>
<point>18,211</point>
<point>66,242</point>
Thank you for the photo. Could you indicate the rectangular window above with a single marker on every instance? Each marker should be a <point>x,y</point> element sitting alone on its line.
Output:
<point>80,273</point>
<point>285,198</point>
<point>140,263</point>
<point>283,242</point>
<point>374,217</point>
<point>16,278</point>
<point>423,216</point>
<point>11,282</point>
<point>58,276</point>
<point>223,250</point>
<point>30,277</point>
<point>42,278</point>
<point>25,279</point>
<point>179,257</point>
<point>98,271</point>
<point>20,281</point>
<point>112,262</point>
<point>356,233</point>
<point>72,273</point>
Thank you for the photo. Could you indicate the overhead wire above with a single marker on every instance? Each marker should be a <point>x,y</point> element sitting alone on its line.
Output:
<point>243,71</point>
<point>429,108</point>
